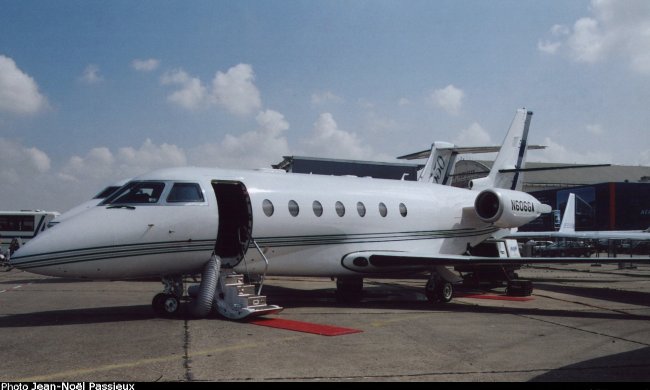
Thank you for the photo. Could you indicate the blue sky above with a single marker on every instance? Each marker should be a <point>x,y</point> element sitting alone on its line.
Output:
<point>93,92</point>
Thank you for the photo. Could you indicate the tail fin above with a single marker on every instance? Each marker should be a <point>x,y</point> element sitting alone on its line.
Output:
<point>439,165</point>
<point>506,171</point>
<point>568,224</point>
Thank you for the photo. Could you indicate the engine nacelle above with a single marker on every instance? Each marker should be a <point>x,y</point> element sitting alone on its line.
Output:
<point>507,208</point>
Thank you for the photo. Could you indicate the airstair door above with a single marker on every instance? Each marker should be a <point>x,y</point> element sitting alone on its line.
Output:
<point>235,221</point>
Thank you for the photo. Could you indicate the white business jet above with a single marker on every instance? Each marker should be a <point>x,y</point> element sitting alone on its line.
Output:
<point>225,223</point>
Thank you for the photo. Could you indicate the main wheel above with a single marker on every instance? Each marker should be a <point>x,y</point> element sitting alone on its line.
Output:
<point>166,305</point>
<point>445,291</point>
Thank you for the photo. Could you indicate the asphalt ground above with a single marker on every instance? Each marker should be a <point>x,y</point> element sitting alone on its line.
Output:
<point>584,323</point>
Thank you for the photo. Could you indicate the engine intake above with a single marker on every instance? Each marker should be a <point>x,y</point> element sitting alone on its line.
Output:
<point>508,209</point>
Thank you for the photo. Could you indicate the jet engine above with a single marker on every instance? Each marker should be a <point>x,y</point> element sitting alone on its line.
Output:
<point>507,208</point>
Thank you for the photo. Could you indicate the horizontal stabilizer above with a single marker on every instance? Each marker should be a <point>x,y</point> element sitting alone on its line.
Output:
<point>461,150</point>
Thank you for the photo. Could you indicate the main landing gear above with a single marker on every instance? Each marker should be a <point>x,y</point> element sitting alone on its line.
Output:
<point>438,289</point>
<point>349,289</point>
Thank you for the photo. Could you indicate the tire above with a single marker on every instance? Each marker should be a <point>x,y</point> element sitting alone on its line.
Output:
<point>166,305</point>
<point>445,292</point>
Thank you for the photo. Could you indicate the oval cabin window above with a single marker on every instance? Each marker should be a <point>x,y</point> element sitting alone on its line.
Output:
<point>293,208</point>
<point>267,207</point>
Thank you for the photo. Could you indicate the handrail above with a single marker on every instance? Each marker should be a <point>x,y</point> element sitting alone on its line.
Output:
<point>266,266</point>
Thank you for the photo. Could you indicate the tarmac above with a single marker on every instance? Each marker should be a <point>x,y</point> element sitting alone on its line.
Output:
<point>583,323</point>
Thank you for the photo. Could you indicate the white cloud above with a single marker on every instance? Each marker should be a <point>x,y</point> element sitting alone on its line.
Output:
<point>318,99</point>
<point>595,129</point>
<point>403,102</point>
<point>91,75</point>
<point>559,30</point>
<point>587,43</point>
<point>449,99</point>
<point>235,91</point>
<point>192,93</point>
<point>548,47</point>
<point>100,164</point>
<point>253,149</point>
<point>327,140</point>
<point>474,135</point>
<point>558,153</point>
<point>18,161</point>
<point>18,91</point>
<point>615,29</point>
<point>148,65</point>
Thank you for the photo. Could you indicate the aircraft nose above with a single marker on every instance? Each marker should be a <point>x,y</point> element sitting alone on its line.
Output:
<point>69,242</point>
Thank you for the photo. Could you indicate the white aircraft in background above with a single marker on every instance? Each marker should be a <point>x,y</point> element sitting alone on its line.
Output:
<point>567,229</point>
<point>225,223</point>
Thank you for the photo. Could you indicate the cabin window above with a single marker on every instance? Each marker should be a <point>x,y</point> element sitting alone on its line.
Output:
<point>382,209</point>
<point>137,192</point>
<point>293,208</point>
<point>267,207</point>
<point>402,209</point>
<point>185,193</point>
<point>361,209</point>
<point>340,209</point>
<point>318,208</point>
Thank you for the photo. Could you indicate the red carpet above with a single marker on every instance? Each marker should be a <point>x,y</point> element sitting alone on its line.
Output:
<point>496,297</point>
<point>307,327</point>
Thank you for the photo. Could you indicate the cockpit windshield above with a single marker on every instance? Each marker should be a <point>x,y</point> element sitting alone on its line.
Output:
<point>137,192</point>
<point>106,192</point>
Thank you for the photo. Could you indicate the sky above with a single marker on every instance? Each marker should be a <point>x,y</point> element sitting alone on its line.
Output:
<point>94,92</point>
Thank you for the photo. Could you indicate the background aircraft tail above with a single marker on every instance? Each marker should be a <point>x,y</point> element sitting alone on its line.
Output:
<point>439,165</point>
<point>568,224</point>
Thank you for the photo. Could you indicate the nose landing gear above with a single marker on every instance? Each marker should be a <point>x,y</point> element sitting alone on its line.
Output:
<point>168,303</point>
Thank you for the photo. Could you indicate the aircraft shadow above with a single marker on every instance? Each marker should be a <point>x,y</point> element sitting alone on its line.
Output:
<point>619,296</point>
<point>377,296</point>
<point>407,298</point>
<point>633,366</point>
<point>44,281</point>
<point>78,316</point>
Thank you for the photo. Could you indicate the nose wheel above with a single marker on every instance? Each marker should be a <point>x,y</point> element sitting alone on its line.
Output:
<point>166,305</point>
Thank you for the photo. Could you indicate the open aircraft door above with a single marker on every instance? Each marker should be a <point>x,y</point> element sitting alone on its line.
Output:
<point>235,221</point>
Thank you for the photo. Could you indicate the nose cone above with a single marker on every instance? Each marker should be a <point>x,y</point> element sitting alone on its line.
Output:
<point>72,241</point>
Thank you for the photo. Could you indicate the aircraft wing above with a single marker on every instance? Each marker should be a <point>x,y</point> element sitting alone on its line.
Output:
<point>392,261</point>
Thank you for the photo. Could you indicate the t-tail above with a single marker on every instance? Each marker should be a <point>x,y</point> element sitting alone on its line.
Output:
<point>507,171</point>
<point>438,168</point>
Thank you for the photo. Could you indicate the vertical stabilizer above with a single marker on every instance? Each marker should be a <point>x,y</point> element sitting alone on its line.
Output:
<point>511,157</point>
<point>568,224</point>
<point>439,165</point>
